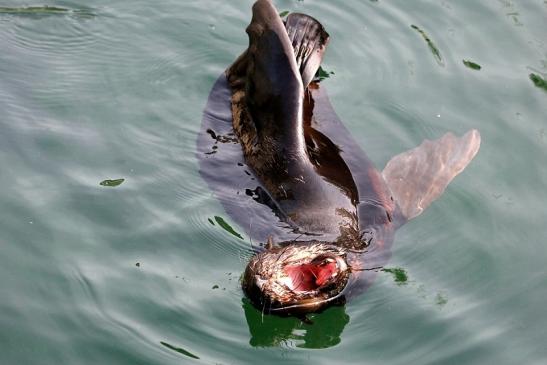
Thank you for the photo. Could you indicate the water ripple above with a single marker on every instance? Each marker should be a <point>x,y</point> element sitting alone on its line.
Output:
<point>119,94</point>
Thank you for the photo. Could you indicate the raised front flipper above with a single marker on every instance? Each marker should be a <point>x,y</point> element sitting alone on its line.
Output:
<point>419,176</point>
<point>266,84</point>
<point>269,78</point>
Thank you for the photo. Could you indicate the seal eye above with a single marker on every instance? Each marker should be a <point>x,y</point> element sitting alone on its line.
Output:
<point>326,261</point>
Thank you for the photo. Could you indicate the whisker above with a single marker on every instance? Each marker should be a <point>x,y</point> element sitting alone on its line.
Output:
<point>369,269</point>
<point>301,234</point>
<point>251,233</point>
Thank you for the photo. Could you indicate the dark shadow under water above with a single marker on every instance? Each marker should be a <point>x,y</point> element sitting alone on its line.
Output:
<point>320,330</point>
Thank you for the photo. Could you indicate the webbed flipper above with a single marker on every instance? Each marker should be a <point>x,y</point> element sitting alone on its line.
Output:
<point>419,176</point>
<point>267,90</point>
<point>309,40</point>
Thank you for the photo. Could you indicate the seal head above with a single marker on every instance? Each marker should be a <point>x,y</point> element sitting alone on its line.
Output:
<point>297,278</point>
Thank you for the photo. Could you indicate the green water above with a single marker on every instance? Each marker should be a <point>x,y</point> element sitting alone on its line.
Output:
<point>145,270</point>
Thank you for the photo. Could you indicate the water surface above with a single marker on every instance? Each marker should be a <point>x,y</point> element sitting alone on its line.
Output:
<point>95,269</point>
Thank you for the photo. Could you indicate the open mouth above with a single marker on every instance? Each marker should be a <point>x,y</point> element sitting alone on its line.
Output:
<point>299,277</point>
<point>313,275</point>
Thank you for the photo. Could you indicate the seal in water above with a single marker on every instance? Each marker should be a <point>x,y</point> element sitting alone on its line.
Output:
<point>336,214</point>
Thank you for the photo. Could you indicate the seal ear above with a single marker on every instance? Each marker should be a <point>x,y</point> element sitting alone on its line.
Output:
<point>309,40</point>
<point>419,176</point>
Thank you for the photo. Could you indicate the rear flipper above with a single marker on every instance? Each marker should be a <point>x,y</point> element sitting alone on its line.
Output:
<point>419,176</point>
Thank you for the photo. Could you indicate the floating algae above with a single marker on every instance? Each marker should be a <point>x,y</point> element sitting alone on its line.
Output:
<point>179,350</point>
<point>43,10</point>
<point>430,44</point>
<point>221,222</point>
<point>399,274</point>
<point>538,81</point>
<point>33,10</point>
<point>440,300</point>
<point>112,183</point>
<point>321,74</point>
<point>472,65</point>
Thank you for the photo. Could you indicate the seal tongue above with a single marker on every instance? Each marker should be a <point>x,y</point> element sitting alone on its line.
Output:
<point>309,277</point>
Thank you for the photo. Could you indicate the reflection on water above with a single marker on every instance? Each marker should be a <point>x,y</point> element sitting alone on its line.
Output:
<point>316,331</point>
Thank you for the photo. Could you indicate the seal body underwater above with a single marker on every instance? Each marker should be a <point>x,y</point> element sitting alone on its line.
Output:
<point>290,174</point>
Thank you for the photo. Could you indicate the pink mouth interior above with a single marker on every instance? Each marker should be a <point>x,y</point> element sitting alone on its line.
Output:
<point>309,277</point>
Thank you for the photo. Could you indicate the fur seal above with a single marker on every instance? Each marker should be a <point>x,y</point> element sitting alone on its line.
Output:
<point>327,214</point>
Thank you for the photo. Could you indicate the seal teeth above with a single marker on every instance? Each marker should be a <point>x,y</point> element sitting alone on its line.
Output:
<point>341,263</point>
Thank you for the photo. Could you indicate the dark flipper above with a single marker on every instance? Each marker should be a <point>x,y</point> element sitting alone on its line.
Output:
<point>266,83</point>
<point>419,176</point>
<point>269,79</point>
<point>309,40</point>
